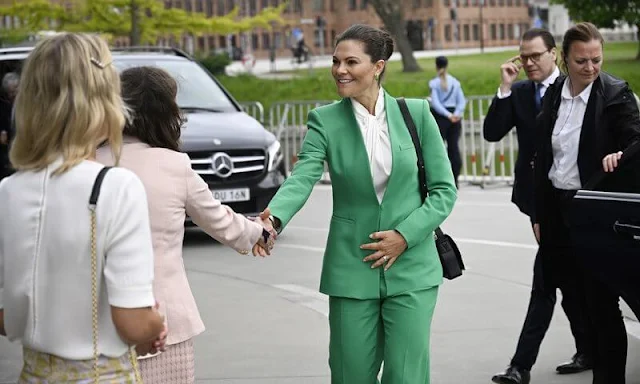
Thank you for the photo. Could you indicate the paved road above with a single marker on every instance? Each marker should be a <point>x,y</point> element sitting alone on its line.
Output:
<point>267,324</point>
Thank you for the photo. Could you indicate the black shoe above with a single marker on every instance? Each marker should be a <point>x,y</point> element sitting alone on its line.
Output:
<point>579,363</point>
<point>513,375</point>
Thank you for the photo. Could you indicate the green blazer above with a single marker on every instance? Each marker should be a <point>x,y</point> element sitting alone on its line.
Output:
<point>334,136</point>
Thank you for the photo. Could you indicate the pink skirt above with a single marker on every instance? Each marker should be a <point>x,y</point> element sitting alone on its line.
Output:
<point>174,366</point>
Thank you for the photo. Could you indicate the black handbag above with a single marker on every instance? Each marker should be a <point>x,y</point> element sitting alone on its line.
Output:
<point>450,256</point>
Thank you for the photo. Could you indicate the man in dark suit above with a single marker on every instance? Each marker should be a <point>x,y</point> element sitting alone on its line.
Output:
<point>517,104</point>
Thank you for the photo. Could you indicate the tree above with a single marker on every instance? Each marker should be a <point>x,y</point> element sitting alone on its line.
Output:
<point>143,21</point>
<point>605,13</point>
<point>392,15</point>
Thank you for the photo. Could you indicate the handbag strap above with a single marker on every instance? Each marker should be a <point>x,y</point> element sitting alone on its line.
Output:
<point>93,202</point>
<point>413,131</point>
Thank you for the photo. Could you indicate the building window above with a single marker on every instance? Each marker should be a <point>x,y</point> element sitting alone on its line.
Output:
<point>501,3</point>
<point>253,7</point>
<point>220,11</point>
<point>447,32</point>
<point>212,43</point>
<point>318,5</point>
<point>188,6</point>
<point>200,46</point>
<point>428,4</point>
<point>466,32</point>
<point>297,6</point>
<point>364,4</point>
<point>476,32</point>
<point>223,41</point>
<point>518,3</point>
<point>266,41</point>
<point>199,5</point>
<point>277,39</point>
<point>501,35</point>
<point>255,42</point>
<point>510,31</point>
<point>446,3</point>
<point>417,4</point>
<point>516,31</point>
<point>510,3</point>
<point>494,33</point>
<point>208,5</point>
<point>353,5</point>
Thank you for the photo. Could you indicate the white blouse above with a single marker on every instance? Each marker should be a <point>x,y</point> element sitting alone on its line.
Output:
<point>45,257</point>
<point>565,140</point>
<point>375,132</point>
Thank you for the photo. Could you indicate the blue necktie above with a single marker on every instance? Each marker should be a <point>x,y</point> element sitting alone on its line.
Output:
<point>538,96</point>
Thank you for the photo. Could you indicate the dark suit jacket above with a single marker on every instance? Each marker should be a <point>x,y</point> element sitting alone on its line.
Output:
<point>611,124</point>
<point>519,111</point>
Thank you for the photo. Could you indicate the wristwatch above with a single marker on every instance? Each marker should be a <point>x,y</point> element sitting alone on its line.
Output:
<point>277,225</point>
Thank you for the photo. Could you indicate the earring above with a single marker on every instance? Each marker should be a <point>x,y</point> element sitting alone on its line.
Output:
<point>377,76</point>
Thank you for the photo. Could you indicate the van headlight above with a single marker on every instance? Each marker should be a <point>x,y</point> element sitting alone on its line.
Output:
<point>275,155</point>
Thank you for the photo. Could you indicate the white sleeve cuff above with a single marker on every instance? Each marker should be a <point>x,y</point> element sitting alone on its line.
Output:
<point>132,297</point>
<point>503,96</point>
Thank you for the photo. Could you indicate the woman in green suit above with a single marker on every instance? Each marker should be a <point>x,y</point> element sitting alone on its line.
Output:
<point>381,269</point>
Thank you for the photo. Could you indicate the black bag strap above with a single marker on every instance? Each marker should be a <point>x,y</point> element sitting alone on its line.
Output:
<point>95,191</point>
<point>413,131</point>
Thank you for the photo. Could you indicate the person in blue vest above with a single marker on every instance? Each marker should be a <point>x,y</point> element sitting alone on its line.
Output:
<point>447,105</point>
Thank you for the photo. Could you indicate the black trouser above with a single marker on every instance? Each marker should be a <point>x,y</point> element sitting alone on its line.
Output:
<point>555,267</point>
<point>610,335</point>
<point>451,134</point>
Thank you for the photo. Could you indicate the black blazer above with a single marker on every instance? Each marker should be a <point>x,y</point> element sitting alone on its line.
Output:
<point>519,111</point>
<point>611,124</point>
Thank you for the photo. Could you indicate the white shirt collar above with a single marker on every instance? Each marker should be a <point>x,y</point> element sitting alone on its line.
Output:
<point>584,95</point>
<point>552,78</point>
<point>361,111</point>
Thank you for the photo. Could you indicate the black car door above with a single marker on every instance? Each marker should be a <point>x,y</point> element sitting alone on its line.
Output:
<point>605,223</point>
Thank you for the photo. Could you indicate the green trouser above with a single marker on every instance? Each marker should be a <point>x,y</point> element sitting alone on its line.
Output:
<point>394,329</point>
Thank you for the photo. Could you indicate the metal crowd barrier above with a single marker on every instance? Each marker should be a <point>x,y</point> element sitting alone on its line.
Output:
<point>483,163</point>
<point>254,109</point>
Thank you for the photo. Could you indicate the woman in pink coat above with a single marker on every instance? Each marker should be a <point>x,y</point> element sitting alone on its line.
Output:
<point>174,190</point>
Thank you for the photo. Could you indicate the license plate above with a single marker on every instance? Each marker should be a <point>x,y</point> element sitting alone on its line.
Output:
<point>232,195</point>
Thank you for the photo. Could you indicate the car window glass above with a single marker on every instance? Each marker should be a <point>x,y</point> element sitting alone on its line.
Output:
<point>195,88</point>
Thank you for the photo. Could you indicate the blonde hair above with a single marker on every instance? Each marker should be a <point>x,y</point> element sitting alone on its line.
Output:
<point>68,102</point>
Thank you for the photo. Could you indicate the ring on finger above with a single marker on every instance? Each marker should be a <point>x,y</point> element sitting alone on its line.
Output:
<point>385,258</point>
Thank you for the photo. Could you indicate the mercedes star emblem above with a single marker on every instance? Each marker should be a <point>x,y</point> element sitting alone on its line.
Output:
<point>222,165</point>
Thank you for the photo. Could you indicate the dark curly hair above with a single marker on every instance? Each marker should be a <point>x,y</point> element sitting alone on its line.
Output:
<point>150,93</point>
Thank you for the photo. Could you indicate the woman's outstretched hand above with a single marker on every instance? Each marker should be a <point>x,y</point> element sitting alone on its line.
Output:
<point>264,246</point>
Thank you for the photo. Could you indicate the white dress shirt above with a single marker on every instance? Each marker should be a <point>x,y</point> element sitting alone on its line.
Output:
<point>565,140</point>
<point>545,85</point>
<point>45,257</point>
<point>375,132</point>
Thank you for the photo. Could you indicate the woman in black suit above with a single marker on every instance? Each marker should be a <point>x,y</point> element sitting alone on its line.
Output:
<point>587,120</point>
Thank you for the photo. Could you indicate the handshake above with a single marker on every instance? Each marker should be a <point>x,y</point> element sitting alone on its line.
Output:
<point>268,239</point>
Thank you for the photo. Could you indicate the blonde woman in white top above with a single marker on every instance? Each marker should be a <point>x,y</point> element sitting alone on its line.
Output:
<point>68,102</point>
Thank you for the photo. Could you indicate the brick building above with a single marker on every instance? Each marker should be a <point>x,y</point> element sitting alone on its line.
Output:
<point>429,23</point>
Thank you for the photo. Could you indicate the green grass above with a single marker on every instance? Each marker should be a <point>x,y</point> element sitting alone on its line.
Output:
<point>479,75</point>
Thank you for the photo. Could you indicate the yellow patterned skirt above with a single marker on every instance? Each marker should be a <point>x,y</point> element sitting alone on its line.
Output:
<point>42,368</point>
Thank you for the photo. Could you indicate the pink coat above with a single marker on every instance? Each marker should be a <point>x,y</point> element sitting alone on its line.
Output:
<point>174,190</point>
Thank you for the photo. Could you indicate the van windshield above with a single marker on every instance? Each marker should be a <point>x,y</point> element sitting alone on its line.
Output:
<point>197,91</point>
